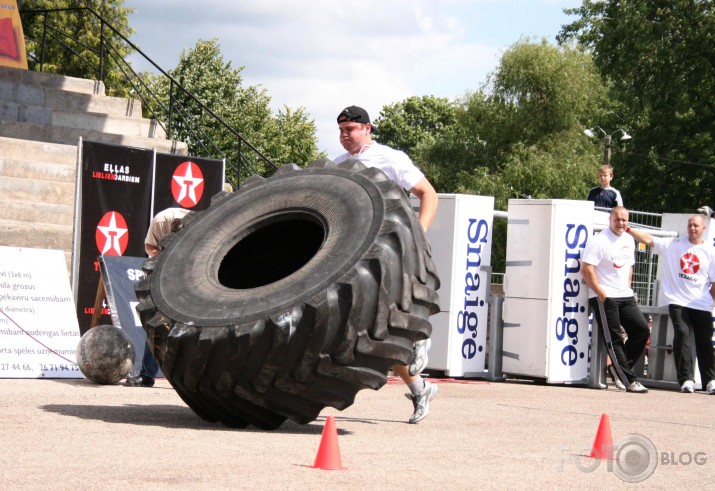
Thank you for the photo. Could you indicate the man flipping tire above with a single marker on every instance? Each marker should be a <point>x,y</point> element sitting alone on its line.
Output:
<point>356,137</point>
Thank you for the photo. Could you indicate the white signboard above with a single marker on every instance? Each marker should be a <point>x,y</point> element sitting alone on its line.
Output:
<point>39,332</point>
<point>461,240</point>
<point>569,340</point>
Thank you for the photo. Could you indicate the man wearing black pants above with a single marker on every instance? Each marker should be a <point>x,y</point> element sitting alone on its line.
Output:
<point>688,285</point>
<point>608,269</point>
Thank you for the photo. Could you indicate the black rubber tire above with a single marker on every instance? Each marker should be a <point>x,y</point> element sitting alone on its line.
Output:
<point>289,295</point>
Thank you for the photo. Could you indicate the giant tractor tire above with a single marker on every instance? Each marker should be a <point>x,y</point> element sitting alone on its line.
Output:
<point>289,295</point>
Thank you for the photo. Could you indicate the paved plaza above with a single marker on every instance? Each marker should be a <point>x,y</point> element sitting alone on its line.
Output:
<point>74,434</point>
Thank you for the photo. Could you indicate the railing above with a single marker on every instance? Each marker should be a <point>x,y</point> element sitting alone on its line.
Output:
<point>181,115</point>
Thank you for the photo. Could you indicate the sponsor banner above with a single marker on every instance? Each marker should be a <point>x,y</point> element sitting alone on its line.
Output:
<point>12,39</point>
<point>461,240</point>
<point>186,182</point>
<point>120,274</point>
<point>569,337</point>
<point>38,325</point>
<point>469,299</point>
<point>115,197</point>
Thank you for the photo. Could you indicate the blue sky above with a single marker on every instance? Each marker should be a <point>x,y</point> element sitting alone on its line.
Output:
<point>323,55</point>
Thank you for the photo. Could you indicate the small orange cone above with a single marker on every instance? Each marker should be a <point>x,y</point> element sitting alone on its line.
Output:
<point>603,444</point>
<point>328,457</point>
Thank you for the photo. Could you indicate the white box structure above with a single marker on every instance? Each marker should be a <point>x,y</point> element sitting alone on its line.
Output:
<point>546,331</point>
<point>461,240</point>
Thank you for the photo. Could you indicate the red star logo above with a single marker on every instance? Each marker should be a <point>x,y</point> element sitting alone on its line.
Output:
<point>689,263</point>
<point>187,184</point>
<point>112,234</point>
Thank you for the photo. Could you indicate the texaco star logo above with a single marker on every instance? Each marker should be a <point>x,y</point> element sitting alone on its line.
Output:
<point>187,184</point>
<point>689,263</point>
<point>112,234</point>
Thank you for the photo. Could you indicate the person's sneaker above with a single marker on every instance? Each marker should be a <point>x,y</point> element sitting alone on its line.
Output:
<point>614,375</point>
<point>421,402</point>
<point>637,388</point>
<point>419,362</point>
<point>139,381</point>
<point>710,389</point>
<point>688,386</point>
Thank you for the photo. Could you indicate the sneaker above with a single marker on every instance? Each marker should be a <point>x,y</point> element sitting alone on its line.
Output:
<point>688,386</point>
<point>421,402</point>
<point>710,389</point>
<point>419,362</point>
<point>614,375</point>
<point>139,381</point>
<point>637,388</point>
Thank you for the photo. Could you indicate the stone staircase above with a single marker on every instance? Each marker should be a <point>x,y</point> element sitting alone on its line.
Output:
<point>42,116</point>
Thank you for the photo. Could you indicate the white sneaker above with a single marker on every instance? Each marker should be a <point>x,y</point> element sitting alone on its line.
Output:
<point>688,386</point>
<point>419,362</point>
<point>421,402</point>
<point>637,388</point>
<point>710,389</point>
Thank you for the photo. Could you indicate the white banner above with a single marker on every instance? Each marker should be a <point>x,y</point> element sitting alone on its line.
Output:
<point>39,332</point>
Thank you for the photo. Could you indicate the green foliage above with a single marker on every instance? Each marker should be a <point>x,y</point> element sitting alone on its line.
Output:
<point>520,135</point>
<point>415,122</point>
<point>658,57</point>
<point>205,84</point>
<point>74,40</point>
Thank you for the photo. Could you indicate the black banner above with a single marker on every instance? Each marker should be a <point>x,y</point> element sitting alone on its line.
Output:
<point>120,273</point>
<point>186,182</point>
<point>116,188</point>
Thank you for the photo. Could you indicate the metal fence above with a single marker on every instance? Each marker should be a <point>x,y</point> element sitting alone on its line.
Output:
<point>646,268</point>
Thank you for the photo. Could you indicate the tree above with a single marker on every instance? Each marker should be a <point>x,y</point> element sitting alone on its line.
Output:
<point>519,135</point>
<point>530,115</point>
<point>205,84</point>
<point>658,57</point>
<point>72,40</point>
<point>415,122</point>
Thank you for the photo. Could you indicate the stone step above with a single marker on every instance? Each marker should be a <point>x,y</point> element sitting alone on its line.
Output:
<point>124,125</point>
<point>33,190</point>
<point>70,136</point>
<point>36,212</point>
<point>19,149</point>
<point>35,235</point>
<point>50,80</point>
<point>63,100</point>
<point>32,169</point>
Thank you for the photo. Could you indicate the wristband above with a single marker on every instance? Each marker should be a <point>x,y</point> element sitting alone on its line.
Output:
<point>628,229</point>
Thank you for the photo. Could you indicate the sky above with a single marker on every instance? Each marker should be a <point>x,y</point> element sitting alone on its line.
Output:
<point>324,55</point>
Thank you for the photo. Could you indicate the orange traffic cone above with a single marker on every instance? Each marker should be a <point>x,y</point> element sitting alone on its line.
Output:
<point>603,444</point>
<point>328,457</point>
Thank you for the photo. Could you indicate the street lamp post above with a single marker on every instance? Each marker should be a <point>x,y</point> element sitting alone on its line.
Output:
<point>607,140</point>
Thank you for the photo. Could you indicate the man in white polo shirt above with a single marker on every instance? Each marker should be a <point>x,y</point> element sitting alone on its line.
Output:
<point>608,269</point>
<point>356,138</point>
<point>688,284</point>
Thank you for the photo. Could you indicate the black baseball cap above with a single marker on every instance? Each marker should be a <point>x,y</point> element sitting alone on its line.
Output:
<point>355,114</point>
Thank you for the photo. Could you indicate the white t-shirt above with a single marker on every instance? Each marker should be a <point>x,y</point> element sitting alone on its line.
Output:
<point>688,271</point>
<point>395,163</point>
<point>613,257</point>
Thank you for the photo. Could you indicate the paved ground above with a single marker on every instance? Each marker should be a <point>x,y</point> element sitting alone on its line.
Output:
<point>73,434</point>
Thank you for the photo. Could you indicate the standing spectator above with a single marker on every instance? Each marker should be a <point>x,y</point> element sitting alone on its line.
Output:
<point>603,195</point>
<point>688,284</point>
<point>356,138</point>
<point>164,223</point>
<point>608,269</point>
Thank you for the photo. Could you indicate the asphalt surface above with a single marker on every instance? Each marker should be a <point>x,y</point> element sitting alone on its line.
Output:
<point>74,434</point>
